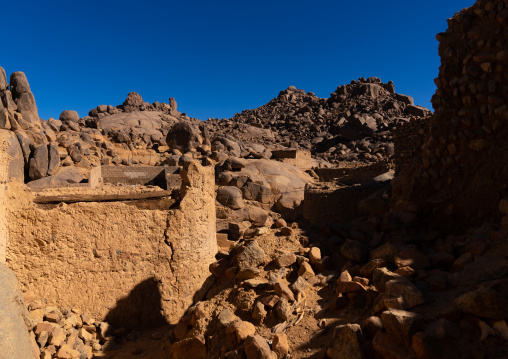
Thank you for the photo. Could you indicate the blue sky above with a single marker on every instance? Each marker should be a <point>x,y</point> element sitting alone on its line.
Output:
<point>218,57</point>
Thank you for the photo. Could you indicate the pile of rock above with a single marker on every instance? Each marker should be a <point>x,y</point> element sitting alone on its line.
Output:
<point>355,123</point>
<point>406,291</point>
<point>68,333</point>
<point>251,188</point>
<point>260,296</point>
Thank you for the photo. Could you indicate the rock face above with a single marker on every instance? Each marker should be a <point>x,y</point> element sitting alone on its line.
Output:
<point>133,102</point>
<point>182,136</point>
<point>69,116</point>
<point>25,101</point>
<point>353,124</point>
<point>348,342</point>
<point>464,146</point>
<point>16,161</point>
<point>39,162</point>
<point>14,339</point>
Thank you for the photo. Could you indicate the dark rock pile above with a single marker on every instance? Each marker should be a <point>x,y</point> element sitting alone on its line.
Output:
<point>354,124</point>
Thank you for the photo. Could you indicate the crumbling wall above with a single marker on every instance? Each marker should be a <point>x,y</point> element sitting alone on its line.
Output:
<point>4,177</point>
<point>165,177</point>
<point>408,140</point>
<point>115,260</point>
<point>462,174</point>
<point>347,175</point>
<point>329,203</point>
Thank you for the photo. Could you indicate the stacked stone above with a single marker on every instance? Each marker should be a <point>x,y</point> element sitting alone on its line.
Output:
<point>464,156</point>
<point>408,139</point>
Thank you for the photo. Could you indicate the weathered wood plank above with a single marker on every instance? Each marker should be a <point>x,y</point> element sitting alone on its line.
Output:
<point>78,197</point>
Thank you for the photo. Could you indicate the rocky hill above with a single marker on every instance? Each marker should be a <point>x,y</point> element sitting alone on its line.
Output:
<point>353,124</point>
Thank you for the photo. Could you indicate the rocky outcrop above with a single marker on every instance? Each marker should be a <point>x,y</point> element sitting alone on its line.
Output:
<point>353,124</point>
<point>15,340</point>
<point>25,103</point>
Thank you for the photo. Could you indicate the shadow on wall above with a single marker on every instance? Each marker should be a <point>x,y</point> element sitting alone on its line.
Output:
<point>137,324</point>
<point>141,309</point>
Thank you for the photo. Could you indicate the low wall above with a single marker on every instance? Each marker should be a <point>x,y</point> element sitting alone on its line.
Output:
<point>298,158</point>
<point>352,175</point>
<point>332,204</point>
<point>135,268</point>
<point>164,177</point>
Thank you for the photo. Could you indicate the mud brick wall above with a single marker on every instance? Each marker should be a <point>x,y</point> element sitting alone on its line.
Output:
<point>165,177</point>
<point>299,158</point>
<point>130,175</point>
<point>5,158</point>
<point>352,175</point>
<point>133,267</point>
<point>408,139</point>
<point>462,173</point>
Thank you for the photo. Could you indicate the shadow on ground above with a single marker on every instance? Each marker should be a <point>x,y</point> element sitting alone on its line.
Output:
<point>137,324</point>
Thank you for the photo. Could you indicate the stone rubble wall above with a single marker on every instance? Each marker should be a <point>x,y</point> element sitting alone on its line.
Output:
<point>408,140</point>
<point>113,260</point>
<point>332,204</point>
<point>462,174</point>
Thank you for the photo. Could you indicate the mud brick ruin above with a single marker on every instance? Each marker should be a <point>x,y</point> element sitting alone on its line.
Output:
<point>88,247</point>
<point>166,177</point>
<point>299,158</point>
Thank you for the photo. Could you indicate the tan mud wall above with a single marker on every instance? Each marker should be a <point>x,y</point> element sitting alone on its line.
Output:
<point>362,174</point>
<point>298,158</point>
<point>133,267</point>
<point>5,159</point>
<point>462,174</point>
<point>3,223</point>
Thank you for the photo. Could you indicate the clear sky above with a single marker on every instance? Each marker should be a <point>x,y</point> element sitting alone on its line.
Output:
<point>217,57</point>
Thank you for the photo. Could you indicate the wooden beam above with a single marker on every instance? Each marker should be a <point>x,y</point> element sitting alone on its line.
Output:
<point>77,197</point>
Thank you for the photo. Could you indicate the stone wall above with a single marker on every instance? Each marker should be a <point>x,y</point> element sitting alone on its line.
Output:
<point>134,267</point>
<point>408,140</point>
<point>462,174</point>
<point>329,203</point>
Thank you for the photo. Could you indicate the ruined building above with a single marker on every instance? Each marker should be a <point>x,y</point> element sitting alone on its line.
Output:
<point>460,176</point>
